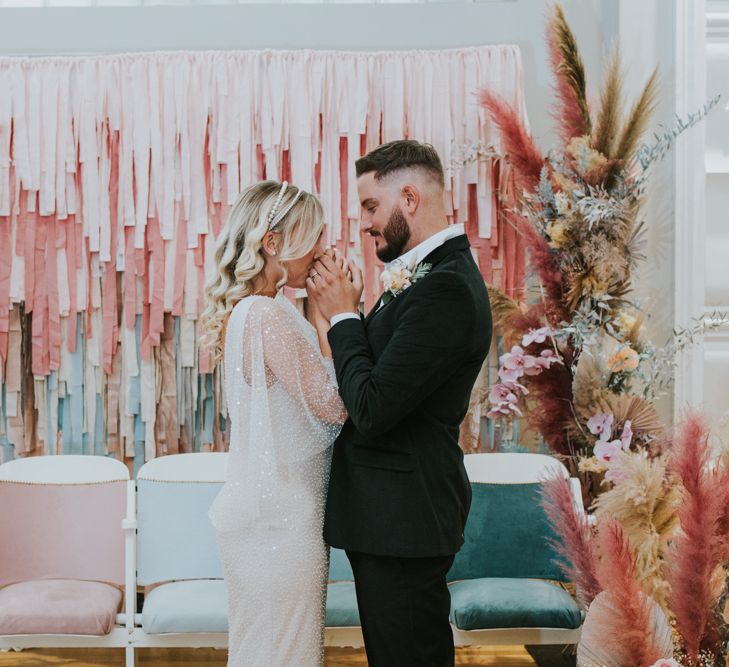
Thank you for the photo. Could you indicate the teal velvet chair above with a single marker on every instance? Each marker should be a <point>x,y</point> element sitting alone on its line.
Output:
<point>342,619</point>
<point>186,604</point>
<point>505,585</point>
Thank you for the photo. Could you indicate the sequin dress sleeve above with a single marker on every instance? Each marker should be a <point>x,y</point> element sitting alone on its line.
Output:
<point>284,407</point>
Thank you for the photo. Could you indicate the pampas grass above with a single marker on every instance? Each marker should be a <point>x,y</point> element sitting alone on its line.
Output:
<point>572,110</point>
<point>638,119</point>
<point>503,312</point>
<point>630,632</point>
<point>524,155</point>
<point>588,386</point>
<point>606,127</point>
<point>552,392</point>
<point>574,546</point>
<point>544,264</point>
<point>699,551</point>
<point>646,507</point>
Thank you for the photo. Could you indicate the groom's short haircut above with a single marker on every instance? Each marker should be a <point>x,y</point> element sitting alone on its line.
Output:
<point>400,155</point>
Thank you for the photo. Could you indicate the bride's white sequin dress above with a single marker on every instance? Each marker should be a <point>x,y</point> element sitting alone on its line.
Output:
<point>285,414</point>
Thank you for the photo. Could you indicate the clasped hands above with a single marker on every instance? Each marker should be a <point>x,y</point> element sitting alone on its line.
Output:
<point>334,285</point>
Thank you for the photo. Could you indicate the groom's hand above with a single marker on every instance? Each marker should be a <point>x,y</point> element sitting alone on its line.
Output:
<point>332,289</point>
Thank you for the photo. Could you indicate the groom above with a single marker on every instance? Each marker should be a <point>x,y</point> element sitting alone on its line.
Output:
<point>399,494</point>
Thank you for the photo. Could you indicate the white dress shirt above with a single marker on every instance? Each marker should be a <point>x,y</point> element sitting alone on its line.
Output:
<point>412,258</point>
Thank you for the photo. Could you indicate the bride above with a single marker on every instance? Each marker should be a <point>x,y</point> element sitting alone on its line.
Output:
<point>285,414</point>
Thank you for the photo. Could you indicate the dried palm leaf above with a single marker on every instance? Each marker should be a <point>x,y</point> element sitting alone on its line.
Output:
<point>642,415</point>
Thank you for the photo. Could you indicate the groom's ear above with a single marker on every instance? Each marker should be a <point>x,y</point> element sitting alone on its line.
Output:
<point>411,197</point>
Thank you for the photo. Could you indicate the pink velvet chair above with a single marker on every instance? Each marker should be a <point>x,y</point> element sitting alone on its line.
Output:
<point>67,530</point>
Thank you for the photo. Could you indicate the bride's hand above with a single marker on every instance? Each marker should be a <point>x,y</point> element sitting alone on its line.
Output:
<point>321,324</point>
<point>315,317</point>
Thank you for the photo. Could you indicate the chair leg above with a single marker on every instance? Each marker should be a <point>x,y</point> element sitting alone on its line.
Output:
<point>129,656</point>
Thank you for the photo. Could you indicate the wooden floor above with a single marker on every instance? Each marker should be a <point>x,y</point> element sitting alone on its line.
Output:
<point>511,656</point>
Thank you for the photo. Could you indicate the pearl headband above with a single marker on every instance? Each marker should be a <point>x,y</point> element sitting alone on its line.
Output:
<point>275,218</point>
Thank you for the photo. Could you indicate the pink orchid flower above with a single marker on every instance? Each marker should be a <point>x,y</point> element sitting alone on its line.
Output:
<point>515,386</point>
<point>504,409</point>
<point>507,375</point>
<point>514,359</point>
<point>626,436</point>
<point>531,365</point>
<point>546,358</point>
<point>505,402</point>
<point>535,336</point>
<point>601,424</point>
<point>607,452</point>
<point>665,662</point>
<point>499,394</point>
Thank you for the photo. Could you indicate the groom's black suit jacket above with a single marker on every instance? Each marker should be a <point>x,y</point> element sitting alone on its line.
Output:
<point>398,486</point>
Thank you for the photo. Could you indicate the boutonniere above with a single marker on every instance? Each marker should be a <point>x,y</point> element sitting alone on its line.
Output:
<point>397,279</point>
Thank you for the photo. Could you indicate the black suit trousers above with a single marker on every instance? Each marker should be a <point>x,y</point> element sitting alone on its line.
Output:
<point>404,605</point>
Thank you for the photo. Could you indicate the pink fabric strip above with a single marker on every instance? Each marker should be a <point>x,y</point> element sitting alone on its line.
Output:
<point>109,303</point>
<point>89,306</point>
<point>180,261</point>
<point>27,228</point>
<point>40,359</point>
<point>130,279</point>
<point>6,262</point>
<point>157,297</point>
<point>54,313</point>
<point>482,246</point>
<point>205,360</point>
<point>71,253</point>
<point>4,343</point>
<point>146,351</point>
<point>142,262</point>
<point>496,228</point>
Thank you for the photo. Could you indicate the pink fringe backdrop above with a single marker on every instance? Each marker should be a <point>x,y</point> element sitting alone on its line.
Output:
<point>116,175</point>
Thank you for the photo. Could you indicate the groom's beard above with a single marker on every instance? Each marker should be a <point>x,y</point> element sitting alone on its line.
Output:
<point>396,235</point>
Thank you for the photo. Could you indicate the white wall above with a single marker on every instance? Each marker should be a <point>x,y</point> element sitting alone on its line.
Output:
<point>55,31</point>
<point>716,347</point>
<point>647,34</point>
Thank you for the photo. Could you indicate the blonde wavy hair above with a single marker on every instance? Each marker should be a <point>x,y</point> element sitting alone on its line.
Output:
<point>239,256</point>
